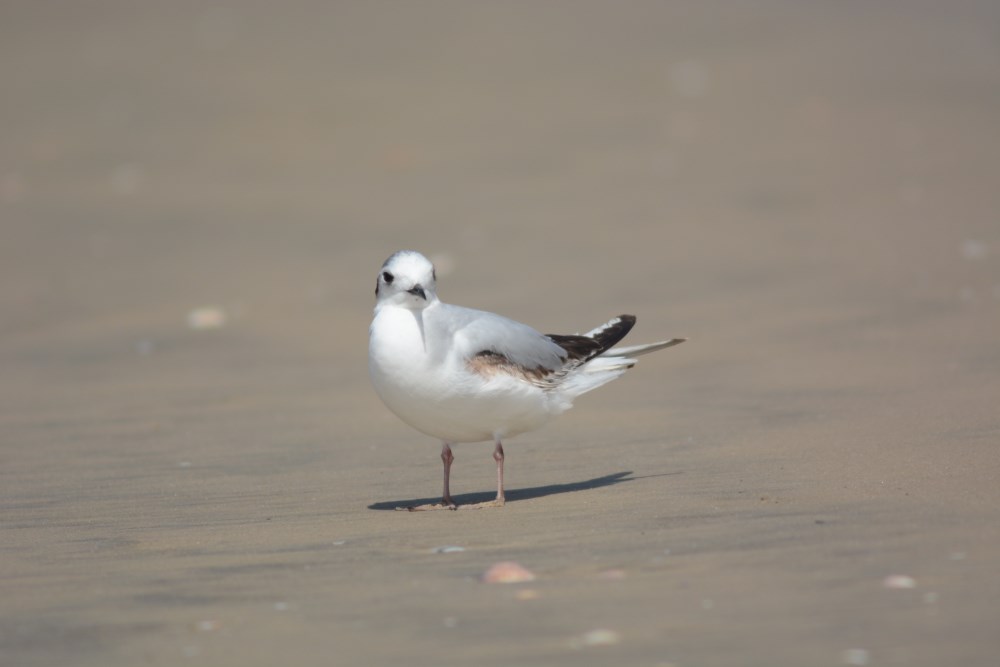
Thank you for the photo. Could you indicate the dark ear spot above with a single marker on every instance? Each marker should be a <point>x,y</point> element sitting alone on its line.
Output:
<point>434,274</point>
<point>388,277</point>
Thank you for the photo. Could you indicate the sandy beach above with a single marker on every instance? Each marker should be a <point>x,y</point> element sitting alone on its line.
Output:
<point>195,199</point>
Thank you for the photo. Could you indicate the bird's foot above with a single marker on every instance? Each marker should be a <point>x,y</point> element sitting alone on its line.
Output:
<point>499,502</point>
<point>443,505</point>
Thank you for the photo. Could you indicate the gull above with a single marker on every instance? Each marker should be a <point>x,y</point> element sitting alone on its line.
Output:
<point>462,375</point>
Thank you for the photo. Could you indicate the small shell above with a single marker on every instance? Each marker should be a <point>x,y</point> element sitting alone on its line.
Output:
<point>599,637</point>
<point>614,574</point>
<point>507,572</point>
<point>206,317</point>
<point>899,581</point>
<point>448,549</point>
<point>856,656</point>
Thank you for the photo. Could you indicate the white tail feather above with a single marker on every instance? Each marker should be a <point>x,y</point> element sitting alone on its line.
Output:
<point>609,366</point>
<point>637,350</point>
<point>594,373</point>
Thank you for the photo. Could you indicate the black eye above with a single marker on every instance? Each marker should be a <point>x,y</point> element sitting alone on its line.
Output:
<point>387,277</point>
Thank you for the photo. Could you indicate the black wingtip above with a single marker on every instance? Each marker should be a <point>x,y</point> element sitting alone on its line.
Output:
<point>587,347</point>
<point>617,329</point>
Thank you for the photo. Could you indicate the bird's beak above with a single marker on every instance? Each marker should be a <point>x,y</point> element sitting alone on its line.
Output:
<point>417,290</point>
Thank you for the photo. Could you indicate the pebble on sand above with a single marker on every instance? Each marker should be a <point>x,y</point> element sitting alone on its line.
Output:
<point>599,637</point>
<point>206,317</point>
<point>856,656</point>
<point>974,250</point>
<point>145,347</point>
<point>507,572</point>
<point>448,549</point>
<point>614,574</point>
<point>899,581</point>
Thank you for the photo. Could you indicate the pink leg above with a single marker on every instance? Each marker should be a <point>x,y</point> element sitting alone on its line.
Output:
<point>446,502</point>
<point>498,457</point>
<point>447,457</point>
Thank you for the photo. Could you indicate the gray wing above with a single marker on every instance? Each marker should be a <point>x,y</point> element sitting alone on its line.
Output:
<point>477,333</point>
<point>490,344</point>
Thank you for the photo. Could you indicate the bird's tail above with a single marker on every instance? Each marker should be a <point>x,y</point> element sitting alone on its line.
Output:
<point>600,364</point>
<point>591,375</point>
<point>639,350</point>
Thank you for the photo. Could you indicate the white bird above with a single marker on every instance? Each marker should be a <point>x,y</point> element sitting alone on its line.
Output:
<point>464,375</point>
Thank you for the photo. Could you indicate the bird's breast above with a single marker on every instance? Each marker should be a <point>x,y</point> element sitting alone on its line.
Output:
<point>396,349</point>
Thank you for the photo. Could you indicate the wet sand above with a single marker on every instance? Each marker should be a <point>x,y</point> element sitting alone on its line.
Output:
<point>807,191</point>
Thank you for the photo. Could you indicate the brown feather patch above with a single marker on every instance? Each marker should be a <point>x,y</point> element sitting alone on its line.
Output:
<point>489,363</point>
<point>579,350</point>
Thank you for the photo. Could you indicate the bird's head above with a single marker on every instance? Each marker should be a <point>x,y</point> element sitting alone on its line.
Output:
<point>406,279</point>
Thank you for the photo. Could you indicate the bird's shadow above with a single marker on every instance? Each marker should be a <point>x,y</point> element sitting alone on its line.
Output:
<point>514,495</point>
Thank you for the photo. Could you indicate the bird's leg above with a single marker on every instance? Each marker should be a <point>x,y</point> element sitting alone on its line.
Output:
<point>447,457</point>
<point>498,457</point>
<point>446,502</point>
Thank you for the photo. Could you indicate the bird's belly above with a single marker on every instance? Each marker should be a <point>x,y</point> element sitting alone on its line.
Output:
<point>444,401</point>
<point>504,418</point>
<point>447,413</point>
